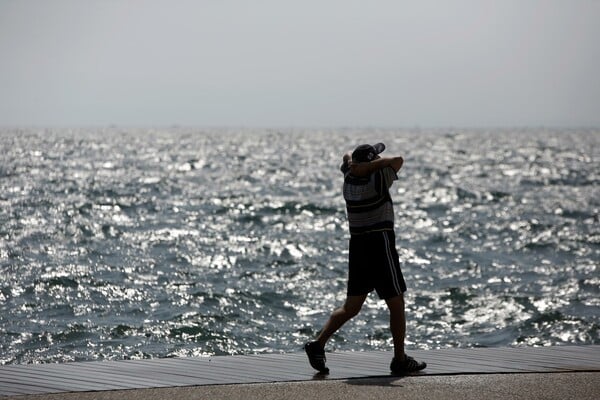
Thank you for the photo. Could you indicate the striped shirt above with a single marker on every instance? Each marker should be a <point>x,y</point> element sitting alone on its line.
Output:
<point>368,202</point>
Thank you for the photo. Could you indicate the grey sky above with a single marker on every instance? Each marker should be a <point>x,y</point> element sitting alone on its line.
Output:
<point>300,63</point>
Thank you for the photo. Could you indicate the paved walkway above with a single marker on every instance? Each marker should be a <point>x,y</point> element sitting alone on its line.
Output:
<point>530,386</point>
<point>346,370</point>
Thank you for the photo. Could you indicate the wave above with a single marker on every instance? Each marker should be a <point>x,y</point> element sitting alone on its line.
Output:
<point>140,243</point>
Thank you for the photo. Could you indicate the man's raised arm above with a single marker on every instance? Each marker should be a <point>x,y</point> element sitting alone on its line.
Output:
<point>367,168</point>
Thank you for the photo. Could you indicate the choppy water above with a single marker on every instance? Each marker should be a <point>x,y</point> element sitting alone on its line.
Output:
<point>153,243</point>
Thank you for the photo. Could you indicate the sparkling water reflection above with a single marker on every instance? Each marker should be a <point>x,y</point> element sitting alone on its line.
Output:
<point>148,243</point>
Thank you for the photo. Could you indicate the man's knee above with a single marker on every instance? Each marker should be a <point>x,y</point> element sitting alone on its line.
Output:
<point>396,303</point>
<point>352,305</point>
<point>352,310</point>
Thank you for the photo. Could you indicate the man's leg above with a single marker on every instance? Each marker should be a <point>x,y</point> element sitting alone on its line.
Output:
<point>340,316</point>
<point>315,350</point>
<point>401,363</point>
<point>397,324</point>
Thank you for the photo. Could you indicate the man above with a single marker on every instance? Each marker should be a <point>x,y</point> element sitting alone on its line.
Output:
<point>373,259</point>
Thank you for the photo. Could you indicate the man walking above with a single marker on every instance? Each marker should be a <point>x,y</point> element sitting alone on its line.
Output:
<point>373,259</point>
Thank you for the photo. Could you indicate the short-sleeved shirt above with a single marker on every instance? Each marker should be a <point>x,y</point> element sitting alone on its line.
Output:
<point>368,203</point>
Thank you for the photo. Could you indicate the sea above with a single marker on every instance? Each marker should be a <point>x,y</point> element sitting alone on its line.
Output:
<point>135,243</point>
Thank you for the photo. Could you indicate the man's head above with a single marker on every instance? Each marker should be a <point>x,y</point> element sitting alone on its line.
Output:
<point>366,152</point>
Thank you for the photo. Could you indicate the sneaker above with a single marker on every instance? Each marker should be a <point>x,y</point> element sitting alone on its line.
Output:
<point>316,356</point>
<point>406,366</point>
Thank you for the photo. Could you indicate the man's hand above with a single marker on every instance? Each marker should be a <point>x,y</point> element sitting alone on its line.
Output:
<point>347,158</point>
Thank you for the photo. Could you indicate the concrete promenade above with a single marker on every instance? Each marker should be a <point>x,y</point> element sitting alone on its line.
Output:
<point>560,372</point>
<point>530,386</point>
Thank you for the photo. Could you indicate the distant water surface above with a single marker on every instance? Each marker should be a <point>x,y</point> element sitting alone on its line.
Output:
<point>124,243</point>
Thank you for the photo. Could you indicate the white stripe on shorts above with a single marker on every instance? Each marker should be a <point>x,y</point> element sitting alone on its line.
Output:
<point>391,263</point>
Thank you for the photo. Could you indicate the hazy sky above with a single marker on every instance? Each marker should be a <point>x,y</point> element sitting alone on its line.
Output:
<point>300,63</point>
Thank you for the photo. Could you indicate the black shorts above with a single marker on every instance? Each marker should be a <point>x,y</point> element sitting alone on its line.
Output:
<point>374,264</point>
